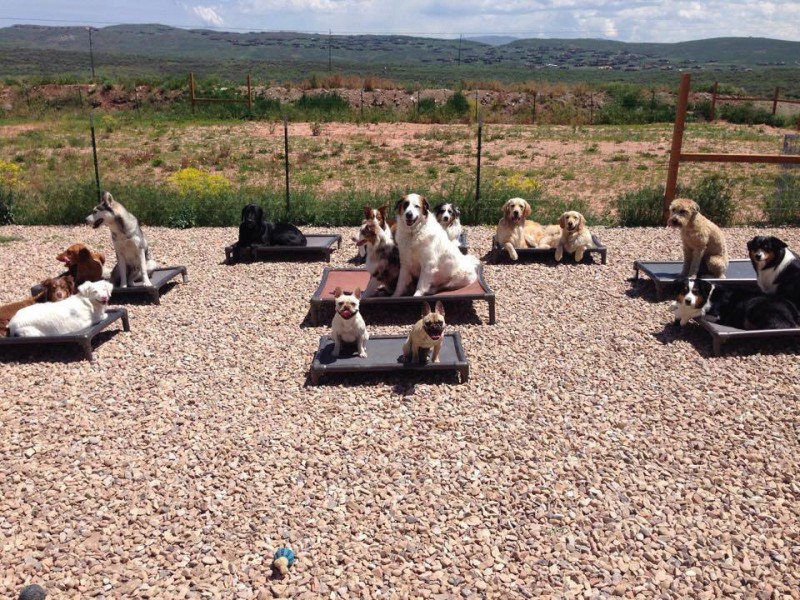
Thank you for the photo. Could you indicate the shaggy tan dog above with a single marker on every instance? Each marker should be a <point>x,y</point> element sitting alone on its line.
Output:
<point>703,242</point>
<point>515,230</point>
<point>575,236</point>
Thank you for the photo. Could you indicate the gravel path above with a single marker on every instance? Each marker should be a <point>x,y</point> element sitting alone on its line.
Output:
<point>593,451</point>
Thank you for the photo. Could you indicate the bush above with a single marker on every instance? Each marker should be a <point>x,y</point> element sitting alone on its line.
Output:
<point>783,207</point>
<point>457,104</point>
<point>6,206</point>
<point>748,114</point>
<point>644,207</point>
<point>191,181</point>
<point>327,102</point>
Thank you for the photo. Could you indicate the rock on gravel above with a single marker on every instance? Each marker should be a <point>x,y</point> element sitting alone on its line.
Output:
<point>595,450</point>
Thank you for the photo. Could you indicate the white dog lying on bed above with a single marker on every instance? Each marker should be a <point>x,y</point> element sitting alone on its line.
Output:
<point>77,312</point>
<point>427,253</point>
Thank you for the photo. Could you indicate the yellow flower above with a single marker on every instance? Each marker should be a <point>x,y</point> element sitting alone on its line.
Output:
<point>10,175</point>
<point>191,181</point>
<point>522,182</point>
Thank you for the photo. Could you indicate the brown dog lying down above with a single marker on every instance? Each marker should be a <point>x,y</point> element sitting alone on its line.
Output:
<point>7,311</point>
<point>83,263</point>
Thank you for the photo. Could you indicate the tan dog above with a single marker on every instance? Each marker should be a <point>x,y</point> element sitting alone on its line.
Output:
<point>515,230</point>
<point>348,325</point>
<point>426,333</point>
<point>703,242</point>
<point>84,264</point>
<point>575,235</point>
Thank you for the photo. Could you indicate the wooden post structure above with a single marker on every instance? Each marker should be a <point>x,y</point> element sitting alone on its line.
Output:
<point>286,159</point>
<point>775,100</point>
<point>677,143</point>
<point>191,89</point>
<point>249,96</point>
<point>713,103</point>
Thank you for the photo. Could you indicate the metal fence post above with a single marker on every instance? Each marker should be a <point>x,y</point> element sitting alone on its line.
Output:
<point>94,155</point>
<point>478,172</point>
<point>286,160</point>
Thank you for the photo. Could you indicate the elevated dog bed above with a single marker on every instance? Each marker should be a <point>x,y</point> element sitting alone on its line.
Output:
<point>740,273</point>
<point>384,355</point>
<point>721,334</point>
<point>160,277</point>
<point>83,337</point>
<point>322,301</point>
<point>320,246</point>
<point>499,253</point>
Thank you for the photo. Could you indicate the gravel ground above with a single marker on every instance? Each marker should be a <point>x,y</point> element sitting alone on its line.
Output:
<point>594,451</point>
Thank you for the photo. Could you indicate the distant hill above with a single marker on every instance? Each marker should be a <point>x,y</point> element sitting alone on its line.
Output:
<point>492,40</point>
<point>155,51</point>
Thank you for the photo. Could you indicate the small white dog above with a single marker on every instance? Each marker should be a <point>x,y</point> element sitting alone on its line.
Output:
<point>348,325</point>
<point>77,312</point>
<point>427,253</point>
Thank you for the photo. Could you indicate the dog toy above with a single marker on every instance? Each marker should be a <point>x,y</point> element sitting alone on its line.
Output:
<point>282,560</point>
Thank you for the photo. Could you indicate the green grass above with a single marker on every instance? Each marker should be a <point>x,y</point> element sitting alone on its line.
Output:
<point>7,239</point>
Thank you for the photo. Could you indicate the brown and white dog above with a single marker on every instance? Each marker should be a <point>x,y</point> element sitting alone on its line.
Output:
<point>379,215</point>
<point>83,263</point>
<point>427,253</point>
<point>575,235</point>
<point>703,242</point>
<point>383,257</point>
<point>7,311</point>
<point>515,230</point>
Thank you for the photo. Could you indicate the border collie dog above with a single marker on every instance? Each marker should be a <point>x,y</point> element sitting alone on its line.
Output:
<point>449,217</point>
<point>698,298</point>
<point>777,268</point>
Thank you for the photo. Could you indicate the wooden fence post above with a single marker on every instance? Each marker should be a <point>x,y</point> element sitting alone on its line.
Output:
<point>775,100</point>
<point>713,102</point>
<point>677,143</point>
<point>191,89</point>
<point>249,96</point>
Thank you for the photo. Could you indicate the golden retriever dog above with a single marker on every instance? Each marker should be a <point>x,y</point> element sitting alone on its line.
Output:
<point>703,242</point>
<point>575,235</point>
<point>515,230</point>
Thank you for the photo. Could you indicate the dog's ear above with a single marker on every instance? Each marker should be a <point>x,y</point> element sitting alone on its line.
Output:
<point>69,281</point>
<point>108,199</point>
<point>425,206</point>
<point>562,221</point>
<point>398,206</point>
<point>337,292</point>
<point>259,214</point>
<point>367,211</point>
<point>506,207</point>
<point>357,293</point>
<point>426,309</point>
<point>694,207</point>
<point>581,221</point>
<point>526,211</point>
<point>99,257</point>
<point>456,211</point>
<point>440,308</point>
<point>778,243</point>
<point>85,254</point>
<point>244,210</point>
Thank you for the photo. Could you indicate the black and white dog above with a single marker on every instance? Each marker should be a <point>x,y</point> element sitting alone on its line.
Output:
<point>777,268</point>
<point>742,309</point>
<point>449,217</point>
<point>255,229</point>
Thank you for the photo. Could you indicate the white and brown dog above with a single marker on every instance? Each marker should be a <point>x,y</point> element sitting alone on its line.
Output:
<point>379,215</point>
<point>703,242</point>
<point>515,230</point>
<point>449,217</point>
<point>348,325</point>
<point>575,236</point>
<point>427,253</point>
<point>383,258</point>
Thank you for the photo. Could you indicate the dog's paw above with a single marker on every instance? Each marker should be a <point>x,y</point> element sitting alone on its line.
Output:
<point>363,354</point>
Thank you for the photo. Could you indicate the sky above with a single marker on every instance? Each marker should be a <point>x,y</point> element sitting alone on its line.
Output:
<point>621,20</point>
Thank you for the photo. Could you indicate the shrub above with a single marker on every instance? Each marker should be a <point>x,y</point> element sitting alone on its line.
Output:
<point>644,207</point>
<point>10,175</point>
<point>199,183</point>
<point>747,113</point>
<point>457,104</point>
<point>328,102</point>
<point>6,206</point>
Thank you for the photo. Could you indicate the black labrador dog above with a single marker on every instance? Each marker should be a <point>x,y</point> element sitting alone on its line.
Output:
<point>255,229</point>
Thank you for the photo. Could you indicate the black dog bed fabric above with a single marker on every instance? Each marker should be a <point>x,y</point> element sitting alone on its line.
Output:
<point>499,253</point>
<point>318,247</point>
<point>384,355</point>
<point>740,273</point>
<point>83,337</point>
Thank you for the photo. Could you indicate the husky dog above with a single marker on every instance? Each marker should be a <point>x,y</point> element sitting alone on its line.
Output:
<point>134,261</point>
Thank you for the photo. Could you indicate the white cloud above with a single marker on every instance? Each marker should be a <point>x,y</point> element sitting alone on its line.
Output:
<point>209,15</point>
